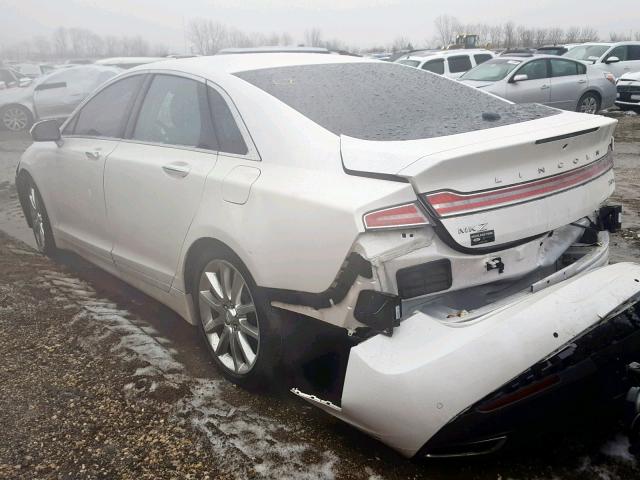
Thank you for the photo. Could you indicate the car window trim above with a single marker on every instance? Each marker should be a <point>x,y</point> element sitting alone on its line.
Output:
<point>522,65</point>
<point>74,115</point>
<point>252,150</point>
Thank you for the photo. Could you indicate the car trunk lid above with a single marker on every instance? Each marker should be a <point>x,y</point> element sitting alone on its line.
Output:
<point>499,186</point>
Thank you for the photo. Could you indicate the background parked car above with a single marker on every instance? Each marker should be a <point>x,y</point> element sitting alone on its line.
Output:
<point>629,92</point>
<point>550,80</point>
<point>127,62</point>
<point>558,50</point>
<point>33,70</point>
<point>449,63</point>
<point>12,79</point>
<point>53,96</point>
<point>617,58</point>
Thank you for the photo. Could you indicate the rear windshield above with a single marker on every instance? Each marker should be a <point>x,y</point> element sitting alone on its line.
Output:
<point>386,101</point>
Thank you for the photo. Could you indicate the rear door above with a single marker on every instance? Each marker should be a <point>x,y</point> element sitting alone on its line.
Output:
<point>155,178</point>
<point>88,140</point>
<point>568,83</point>
<point>457,65</point>
<point>537,87</point>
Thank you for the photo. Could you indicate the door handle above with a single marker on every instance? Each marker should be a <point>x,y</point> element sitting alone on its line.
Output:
<point>582,81</point>
<point>177,169</point>
<point>544,87</point>
<point>94,155</point>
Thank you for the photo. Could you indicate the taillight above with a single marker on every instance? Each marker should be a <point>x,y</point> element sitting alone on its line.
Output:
<point>408,215</point>
<point>610,77</point>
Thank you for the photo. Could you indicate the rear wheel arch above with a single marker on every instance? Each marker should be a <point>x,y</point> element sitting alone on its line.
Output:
<point>197,250</point>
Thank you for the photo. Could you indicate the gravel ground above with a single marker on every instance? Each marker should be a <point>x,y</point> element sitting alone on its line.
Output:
<point>99,381</point>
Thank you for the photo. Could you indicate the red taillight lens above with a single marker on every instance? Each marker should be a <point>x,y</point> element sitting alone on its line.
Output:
<point>408,215</point>
<point>448,203</point>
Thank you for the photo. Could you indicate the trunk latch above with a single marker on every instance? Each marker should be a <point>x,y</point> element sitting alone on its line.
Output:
<point>495,264</point>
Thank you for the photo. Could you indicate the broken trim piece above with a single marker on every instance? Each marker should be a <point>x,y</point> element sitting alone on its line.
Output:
<point>352,267</point>
<point>315,400</point>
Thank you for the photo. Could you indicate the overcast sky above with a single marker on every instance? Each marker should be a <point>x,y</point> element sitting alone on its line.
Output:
<point>360,23</point>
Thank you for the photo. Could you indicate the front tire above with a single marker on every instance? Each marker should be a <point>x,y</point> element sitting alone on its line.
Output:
<point>40,221</point>
<point>16,118</point>
<point>240,329</point>
<point>589,103</point>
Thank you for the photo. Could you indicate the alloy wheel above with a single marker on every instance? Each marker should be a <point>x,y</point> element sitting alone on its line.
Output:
<point>15,119</point>
<point>37,219</point>
<point>229,317</point>
<point>589,105</point>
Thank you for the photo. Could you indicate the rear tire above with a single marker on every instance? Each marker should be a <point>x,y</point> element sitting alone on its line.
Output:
<point>241,330</point>
<point>39,220</point>
<point>589,103</point>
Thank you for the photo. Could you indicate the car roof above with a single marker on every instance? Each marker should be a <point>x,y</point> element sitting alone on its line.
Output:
<point>215,65</point>
<point>446,53</point>
<point>272,49</point>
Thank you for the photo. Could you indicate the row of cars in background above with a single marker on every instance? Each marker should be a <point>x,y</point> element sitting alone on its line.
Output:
<point>30,92</point>
<point>583,79</point>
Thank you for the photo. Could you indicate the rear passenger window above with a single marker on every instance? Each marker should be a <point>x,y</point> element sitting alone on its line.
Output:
<point>458,64</point>
<point>633,52</point>
<point>481,58</point>
<point>175,112</point>
<point>582,69</point>
<point>563,68</point>
<point>105,114</point>
<point>435,66</point>
<point>229,137</point>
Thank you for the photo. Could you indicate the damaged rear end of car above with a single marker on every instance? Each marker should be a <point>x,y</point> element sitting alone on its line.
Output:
<point>475,309</point>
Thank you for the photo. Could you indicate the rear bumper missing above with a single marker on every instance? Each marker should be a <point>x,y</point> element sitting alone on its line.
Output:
<point>407,389</point>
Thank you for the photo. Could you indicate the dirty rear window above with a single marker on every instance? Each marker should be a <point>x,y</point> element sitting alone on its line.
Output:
<point>383,101</point>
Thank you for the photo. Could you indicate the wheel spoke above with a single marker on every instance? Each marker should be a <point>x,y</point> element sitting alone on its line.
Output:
<point>214,282</point>
<point>227,279</point>
<point>207,297</point>
<point>248,329</point>
<point>247,351</point>
<point>236,289</point>
<point>32,199</point>
<point>223,342</point>
<point>235,351</point>
<point>210,324</point>
<point>243,310</point>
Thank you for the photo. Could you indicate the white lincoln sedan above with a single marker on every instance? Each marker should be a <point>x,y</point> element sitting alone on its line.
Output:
<point>434,257</point>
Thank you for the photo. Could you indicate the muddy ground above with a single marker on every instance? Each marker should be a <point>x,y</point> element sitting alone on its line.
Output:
<point>99,381</point>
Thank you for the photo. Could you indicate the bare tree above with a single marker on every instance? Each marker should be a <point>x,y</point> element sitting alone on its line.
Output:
<point>540,37</point>
<point>525,36</point>
<point>313,37</point>
<point>60,45</point>
<point>446,26</point>
<point>572,35</point>
<point>556,35</point>
<point>495,35</point>
<point>206,36</point>
<point>509,34</point>
<point>589,34</point>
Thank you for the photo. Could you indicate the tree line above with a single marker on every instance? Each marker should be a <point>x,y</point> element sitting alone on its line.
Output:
<point>207,36</point>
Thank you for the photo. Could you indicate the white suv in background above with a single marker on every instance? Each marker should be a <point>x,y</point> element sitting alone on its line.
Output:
<point>449,63</point>
<point>617,58</point>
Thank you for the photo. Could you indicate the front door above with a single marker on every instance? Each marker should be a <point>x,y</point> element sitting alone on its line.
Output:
<point>155,178</point>
<point>536,88</point>
<point>87,143</point>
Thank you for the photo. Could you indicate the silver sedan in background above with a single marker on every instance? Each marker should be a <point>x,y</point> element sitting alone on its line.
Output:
<point>550,80</point>
<point>53,96</point>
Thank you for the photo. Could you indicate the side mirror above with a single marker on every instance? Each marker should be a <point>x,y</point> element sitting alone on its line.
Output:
<point>46,131</point>
<point>612,60</point>
<point>25,82</point>
<point>520,78</point>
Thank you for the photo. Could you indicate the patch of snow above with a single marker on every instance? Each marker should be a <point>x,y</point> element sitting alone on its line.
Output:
<point>618,448</point>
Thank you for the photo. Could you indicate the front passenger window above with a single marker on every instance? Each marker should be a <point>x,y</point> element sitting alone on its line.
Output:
<point>620,52</point>
<point>105,114</point>
<point>174,112</point>
<point>535,70</point>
